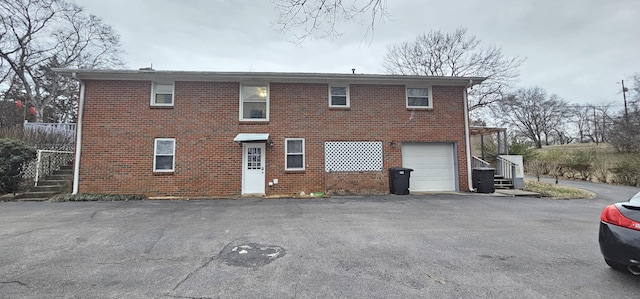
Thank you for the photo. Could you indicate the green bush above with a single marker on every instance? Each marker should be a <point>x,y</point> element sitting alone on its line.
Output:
<point>97,197</point>
<point>14,155</point>
<point>627,171</point>
<point>580,163</point>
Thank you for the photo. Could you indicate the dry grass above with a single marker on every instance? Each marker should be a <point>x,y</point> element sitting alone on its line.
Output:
<point>557,191</point>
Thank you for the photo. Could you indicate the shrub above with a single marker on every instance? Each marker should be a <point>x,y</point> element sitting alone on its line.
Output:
<point>580,163</point>
<point>627,171</point>
<point>97,197</point>
<point>554,161</point>
<point>601,167</point>
<point>14,154</point>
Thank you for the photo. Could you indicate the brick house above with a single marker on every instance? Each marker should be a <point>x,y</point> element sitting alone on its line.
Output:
<point>229,134</point>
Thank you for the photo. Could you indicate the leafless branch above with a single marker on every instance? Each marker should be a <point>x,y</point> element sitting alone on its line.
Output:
<point>36,36</point>
<point>456,54</point>
<point>321,18</point>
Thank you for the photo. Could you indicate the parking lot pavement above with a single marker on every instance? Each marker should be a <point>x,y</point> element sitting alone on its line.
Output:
<point>430,246</point>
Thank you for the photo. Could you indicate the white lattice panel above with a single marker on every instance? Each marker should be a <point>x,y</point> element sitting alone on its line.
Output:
<point>353,156</point>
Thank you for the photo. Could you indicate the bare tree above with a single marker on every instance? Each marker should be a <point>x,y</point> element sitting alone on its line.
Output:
<point>534,114</point>
<point>624,132</point>
<point>320,18</point>
<point>456,54</point>
<point>635,95</point>
<point>36,35</point>
<point>582,118</point>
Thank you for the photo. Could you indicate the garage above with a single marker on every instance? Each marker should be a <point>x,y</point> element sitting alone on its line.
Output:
<point>433,164</point>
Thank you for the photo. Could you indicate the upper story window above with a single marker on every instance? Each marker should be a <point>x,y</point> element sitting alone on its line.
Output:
<point>162,94</point>
<point>254,102</point>
<point>294,154</point>
<point>164,151</point>
<point>339,96</point>
<point>419,97</point>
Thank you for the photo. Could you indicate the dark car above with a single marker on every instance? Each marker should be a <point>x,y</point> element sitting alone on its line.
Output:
<point>619,235</point>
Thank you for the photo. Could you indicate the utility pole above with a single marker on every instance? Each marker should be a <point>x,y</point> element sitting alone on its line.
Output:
<point>624,96</point>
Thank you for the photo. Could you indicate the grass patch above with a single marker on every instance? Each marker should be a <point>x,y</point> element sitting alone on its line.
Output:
<point>557,191</point>
<point>96,197</point>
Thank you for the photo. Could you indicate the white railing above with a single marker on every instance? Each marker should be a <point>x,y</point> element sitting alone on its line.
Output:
<point>46,163</point>
<point>505,168</point>
<point>478,163</point>
<point>66,129</point>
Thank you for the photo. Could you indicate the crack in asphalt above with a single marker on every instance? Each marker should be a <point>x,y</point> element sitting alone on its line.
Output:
<point>194,271</point>
<point>24,233</point>
<point>15,282</point>
<point>187,297</point>
<point>435,279</point>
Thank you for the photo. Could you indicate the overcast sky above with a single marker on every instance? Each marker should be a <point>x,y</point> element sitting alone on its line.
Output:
<point>577,49</point>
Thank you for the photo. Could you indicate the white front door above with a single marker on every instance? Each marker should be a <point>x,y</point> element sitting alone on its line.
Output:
<point>253,168</point>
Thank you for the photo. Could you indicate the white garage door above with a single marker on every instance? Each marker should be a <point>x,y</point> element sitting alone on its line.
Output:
<point>433,166</point>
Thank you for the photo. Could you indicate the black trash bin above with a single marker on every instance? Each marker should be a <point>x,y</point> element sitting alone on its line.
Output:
<point>399,180</point>
<point>482,178</point>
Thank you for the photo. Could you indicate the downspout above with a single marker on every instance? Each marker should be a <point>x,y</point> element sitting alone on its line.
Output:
<point>466,129</point>
<point>76,166</point>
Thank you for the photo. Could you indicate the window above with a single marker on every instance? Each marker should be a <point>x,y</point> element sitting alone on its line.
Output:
<point>254,102</point>
<point>339,96</point>
<point>353,156</point>
<point>294,154</point>
<point>164,151</point>
<point>162,94</point>
<point>419,98</point>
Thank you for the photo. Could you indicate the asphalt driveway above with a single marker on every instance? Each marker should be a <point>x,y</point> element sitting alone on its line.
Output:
<point>429,246</point>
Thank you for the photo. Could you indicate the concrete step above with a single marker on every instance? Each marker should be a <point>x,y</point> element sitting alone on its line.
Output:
<point>503,186</point>
<point>58,177</point>
<point>53,182</point>
<point>63,172</point>
<point>46,188</point>
<point>39,194</point>
<point>33,199</point>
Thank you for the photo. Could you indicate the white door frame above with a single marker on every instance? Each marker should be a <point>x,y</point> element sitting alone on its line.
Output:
<point>253,172</point>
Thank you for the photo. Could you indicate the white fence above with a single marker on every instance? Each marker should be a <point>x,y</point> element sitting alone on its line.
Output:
<point>65,129</point>
<point>47,162</point>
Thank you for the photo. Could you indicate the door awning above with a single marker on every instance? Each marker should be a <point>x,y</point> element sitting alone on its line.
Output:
<point>251,137</point>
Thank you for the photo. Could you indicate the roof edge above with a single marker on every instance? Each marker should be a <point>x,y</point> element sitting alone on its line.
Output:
<point>159,75</point>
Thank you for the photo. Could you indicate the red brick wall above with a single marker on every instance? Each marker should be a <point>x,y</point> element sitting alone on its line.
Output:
<point>119,128</point>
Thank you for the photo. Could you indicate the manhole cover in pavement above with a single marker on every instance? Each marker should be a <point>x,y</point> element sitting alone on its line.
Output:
<point>251,254</point>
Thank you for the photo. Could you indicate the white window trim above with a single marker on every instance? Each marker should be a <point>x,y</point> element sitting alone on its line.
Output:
<point>153,94</point>
<point>429,89</point>
<point>155,151</point>
<point>241,115</point>
<point>348,104</point>
<point>286,154</point>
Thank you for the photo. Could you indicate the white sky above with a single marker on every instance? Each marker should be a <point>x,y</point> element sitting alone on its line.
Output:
<point>577,49</point>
